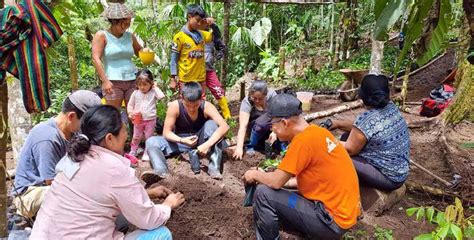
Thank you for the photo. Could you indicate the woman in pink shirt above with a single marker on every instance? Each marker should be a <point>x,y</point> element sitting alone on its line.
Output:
<point>94,184</point>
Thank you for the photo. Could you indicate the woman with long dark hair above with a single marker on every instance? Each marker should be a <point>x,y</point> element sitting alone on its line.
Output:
<point>95,184</point>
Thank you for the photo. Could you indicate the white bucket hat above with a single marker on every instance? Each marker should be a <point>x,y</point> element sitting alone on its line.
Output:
<point>118,11</point>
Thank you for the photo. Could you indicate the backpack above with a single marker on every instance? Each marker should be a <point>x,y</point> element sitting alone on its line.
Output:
<point>439,100</point>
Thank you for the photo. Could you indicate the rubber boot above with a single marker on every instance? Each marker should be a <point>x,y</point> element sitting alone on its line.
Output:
<point>158,163</point>
<point>194,160</point>
<point>215,160</point>
<point>224,107</point>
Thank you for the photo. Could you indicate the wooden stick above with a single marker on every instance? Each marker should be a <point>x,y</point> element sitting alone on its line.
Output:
<point>332,111</point>
<point>446,183</point>
<point>423,122</point>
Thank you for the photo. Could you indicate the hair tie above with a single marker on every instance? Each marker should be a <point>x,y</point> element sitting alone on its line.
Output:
<point>84,136</point>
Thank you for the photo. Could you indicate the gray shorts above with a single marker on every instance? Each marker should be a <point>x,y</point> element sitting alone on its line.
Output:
<point>122,90</point>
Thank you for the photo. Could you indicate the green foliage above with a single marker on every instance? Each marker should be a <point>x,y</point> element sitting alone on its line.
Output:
<point>439,35</point>
<point>418,13</point>
<point>269,66</point>
<point>450,224</point>
<point>382,233</point>
<point>389,14</point>
<point>260,30</point>
<point>325,79</point>
<point>269,164</point>
<point>232,127</point>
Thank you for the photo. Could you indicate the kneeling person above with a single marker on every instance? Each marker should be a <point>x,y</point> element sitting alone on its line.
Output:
<point>327,202</point>
<point>191,125</point>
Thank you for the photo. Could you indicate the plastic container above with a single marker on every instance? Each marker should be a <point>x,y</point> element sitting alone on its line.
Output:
<point>146,57</point>
<point>137,118</point>
<point>306,98</point>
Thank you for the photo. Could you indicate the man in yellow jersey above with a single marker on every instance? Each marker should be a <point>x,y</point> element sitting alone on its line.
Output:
<point>327,202</point>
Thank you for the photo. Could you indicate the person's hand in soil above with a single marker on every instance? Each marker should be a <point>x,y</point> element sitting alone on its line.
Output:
<point>159,192</point>
<point>107,87</point>
<point>190,141</point>
<point>203,149</point>
<point>174,200</point>
<point>238,153</point>
<point>249,176</point>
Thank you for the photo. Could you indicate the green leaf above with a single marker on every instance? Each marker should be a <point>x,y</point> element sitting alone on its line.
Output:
<point>411,211</point>
<point>260,30</point>
<point>430,213</point>
<point>440,219</point>
<point>439,35</point>
<point>456,231</point>
<point>420,214</point>
<point>379,6</point>
<point>388,17</point>
<point>443,232</point>
<point>414,27</point>
<point>425,236</point>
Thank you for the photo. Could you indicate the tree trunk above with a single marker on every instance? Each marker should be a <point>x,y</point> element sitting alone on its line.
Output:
<point>376,57</point>
<point>21,124</point>
<point>462,108</point>
<point>3,156</point>
<point>331,29</point>
<point>72,62</point>
<point>225,60</point>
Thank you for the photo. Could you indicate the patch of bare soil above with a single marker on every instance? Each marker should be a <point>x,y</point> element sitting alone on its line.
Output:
<point>213,208</point>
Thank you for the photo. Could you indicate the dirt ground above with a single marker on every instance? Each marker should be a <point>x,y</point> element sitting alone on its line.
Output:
<point>213,209</point>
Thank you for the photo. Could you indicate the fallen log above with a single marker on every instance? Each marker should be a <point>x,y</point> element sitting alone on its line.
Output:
<point>346,107</point>
<point>425,122</point>
<point>419,188</point>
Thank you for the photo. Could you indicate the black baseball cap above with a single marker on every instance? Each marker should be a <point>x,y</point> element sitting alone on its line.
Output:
<point>284,105</point>
<point>196,9</point>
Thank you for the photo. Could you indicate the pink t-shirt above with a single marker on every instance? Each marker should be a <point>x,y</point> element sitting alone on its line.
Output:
<point>86,205</point>
<point>145,103</point>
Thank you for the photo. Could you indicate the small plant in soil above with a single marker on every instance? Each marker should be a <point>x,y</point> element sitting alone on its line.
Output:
<point>451,224</point>
<point>269,165</point>
<point>232,126</point>
<point>382,233</point>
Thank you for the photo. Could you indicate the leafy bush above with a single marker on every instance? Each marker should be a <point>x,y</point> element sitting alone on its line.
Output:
<point>451,223</point>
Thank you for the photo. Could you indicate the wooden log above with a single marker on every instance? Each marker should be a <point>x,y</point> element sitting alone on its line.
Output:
<point>420,188</point>
<point>332,111</point>
<point>425,122</point>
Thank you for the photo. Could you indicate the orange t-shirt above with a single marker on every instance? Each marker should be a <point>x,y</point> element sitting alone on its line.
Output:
<point>325,173</point>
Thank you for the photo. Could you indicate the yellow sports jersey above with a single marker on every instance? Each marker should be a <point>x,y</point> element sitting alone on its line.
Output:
<point>191,62</point>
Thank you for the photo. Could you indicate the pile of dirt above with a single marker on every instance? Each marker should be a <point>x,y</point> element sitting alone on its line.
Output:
<point>213,208</point>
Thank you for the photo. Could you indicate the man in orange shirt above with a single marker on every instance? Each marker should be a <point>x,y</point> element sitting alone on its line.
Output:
<point>327,202</point>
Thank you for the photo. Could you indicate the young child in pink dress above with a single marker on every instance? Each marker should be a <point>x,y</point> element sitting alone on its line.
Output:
<point>142,108</point>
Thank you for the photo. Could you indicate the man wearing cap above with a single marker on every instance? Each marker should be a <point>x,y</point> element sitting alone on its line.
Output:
<point>326,204</point>
<point>43,148</point>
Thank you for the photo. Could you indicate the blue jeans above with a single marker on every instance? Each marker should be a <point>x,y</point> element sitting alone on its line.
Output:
<point>161,233</point>
<point>158,148</point>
